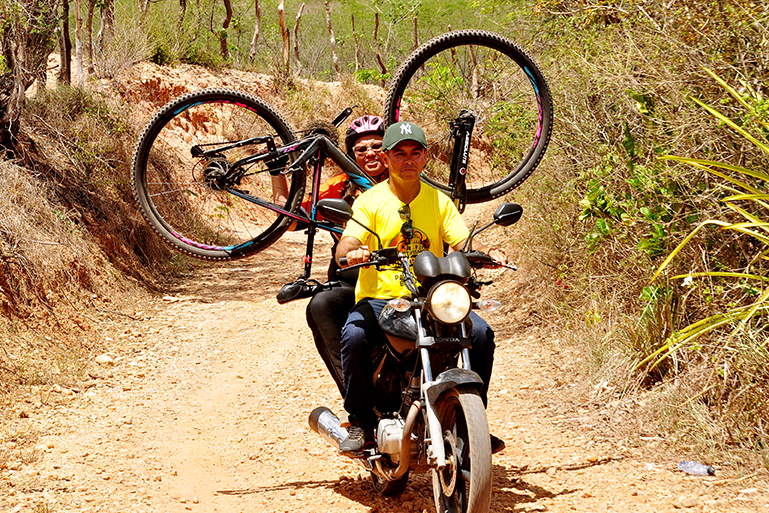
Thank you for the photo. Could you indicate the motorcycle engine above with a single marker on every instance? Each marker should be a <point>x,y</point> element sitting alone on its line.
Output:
<point>388,438</point>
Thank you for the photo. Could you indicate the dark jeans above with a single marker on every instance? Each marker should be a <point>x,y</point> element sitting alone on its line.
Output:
<point>326,316</point>
<point>362,334</point>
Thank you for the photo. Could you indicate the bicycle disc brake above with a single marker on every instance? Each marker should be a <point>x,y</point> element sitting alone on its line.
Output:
<point>217,175</point>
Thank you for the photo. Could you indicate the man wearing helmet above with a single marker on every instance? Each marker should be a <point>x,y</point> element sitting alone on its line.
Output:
<point>327,310</point>
<point>433,220</point>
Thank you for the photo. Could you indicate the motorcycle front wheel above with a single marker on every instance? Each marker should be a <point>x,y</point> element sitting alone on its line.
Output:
<point>464,485</point>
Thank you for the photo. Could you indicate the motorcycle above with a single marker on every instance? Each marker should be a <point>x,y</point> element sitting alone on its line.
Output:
<point>431,416</point>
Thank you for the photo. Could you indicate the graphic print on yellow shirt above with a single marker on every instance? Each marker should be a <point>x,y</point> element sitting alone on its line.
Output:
<point>434,219</point>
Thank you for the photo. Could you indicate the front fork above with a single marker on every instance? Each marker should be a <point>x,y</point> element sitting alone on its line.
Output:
<point>436,451</point>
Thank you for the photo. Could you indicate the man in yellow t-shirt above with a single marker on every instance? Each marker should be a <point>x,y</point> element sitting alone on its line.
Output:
<point>413,216</point>
<point>435,220</point>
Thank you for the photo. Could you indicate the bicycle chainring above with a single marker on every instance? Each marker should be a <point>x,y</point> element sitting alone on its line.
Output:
<point>325,128</point>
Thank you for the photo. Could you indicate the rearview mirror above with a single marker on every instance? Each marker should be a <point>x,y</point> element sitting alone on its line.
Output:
<point>507,214</point>
<point>335,210</point>
<point>339,211</point>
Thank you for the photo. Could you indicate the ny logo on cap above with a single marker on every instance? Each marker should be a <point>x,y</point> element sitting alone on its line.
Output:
<point>405,128</point>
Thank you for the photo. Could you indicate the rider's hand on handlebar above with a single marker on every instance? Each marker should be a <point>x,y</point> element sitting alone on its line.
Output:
<point>498,255</point>
<point>358,256</point>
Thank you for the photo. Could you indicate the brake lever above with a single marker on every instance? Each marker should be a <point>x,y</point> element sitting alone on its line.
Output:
<point>479,259</point>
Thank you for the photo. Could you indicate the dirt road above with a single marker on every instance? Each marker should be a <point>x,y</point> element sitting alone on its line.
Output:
<point>205,409</point>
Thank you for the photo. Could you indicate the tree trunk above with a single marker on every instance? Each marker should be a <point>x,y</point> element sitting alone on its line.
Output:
<point>89,35</point>
<point>286,37</point>
<point>182,12</point>
<point>65,46</point>
<point>416,35</point>
<point>8,128</point>
<point>79,45</point>
<point>296,40</point>
<point>355,42</point>
<point>334,55</point>
<point>225,25</point>
<point>376,45</point>
<point>42,80</point>
<point>28,39</point>
<point>107,29</point>
<point>257,28</point>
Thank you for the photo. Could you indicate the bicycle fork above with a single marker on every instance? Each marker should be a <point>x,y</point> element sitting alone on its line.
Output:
<point>461,133</point>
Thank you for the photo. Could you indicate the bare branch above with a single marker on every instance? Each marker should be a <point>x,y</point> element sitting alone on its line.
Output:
<point>334,55</point>
<point>286,36</point>
<point>257,28</point>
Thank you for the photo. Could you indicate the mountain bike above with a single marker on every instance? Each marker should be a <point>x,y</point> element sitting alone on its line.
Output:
<point>220,174</point>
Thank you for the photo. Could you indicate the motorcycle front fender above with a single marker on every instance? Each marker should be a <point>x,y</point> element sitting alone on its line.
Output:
<point>452,378</point>
<point>433,390</point>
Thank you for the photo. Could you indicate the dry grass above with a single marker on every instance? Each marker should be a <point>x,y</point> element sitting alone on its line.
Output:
<point>130,44</point>
<point>43,252</point>
<point>71,239</point>
<point>307,101</point>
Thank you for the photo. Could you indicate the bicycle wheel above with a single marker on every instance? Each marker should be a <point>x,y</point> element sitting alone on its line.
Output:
<point>491,76</point>
<point>183,195</point>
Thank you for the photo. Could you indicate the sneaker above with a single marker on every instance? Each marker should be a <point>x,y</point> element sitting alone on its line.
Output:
<point>355,441</point>
<point>497,444</point>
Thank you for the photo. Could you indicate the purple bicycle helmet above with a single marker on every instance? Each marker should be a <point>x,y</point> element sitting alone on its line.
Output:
<point>364,125</point>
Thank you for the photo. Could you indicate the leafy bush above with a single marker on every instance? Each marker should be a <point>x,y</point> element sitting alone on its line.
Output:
<point>746,198</point>
<point>161,56</point>
<point>624,75</point>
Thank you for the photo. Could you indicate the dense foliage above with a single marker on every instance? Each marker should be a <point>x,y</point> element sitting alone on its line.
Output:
<point>633,78</point>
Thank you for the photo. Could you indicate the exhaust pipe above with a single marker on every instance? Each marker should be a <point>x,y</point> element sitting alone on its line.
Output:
<point>326,424</point>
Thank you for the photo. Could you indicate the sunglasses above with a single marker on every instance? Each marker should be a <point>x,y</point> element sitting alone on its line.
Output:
<point>362,150</point>
<point>407,229</point>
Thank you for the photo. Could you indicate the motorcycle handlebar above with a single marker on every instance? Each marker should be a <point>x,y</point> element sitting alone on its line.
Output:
<point>477,259</point>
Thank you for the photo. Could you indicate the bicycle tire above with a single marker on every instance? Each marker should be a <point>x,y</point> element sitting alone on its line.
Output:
<point>183,205</point>
<point>492,76</point>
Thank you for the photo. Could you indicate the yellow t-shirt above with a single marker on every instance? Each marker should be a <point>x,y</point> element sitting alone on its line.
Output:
<point>434,218</point>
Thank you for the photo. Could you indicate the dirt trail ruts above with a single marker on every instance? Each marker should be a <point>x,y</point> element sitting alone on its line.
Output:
<point>206,407</point>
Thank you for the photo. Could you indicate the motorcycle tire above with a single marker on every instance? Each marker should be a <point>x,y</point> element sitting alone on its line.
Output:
<point>464,485</point>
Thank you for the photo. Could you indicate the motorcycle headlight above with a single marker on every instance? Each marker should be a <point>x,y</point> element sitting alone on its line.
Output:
<point>449,302</point>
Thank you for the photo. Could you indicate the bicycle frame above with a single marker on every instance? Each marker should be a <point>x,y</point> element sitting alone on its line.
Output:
<point>315,148</point>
